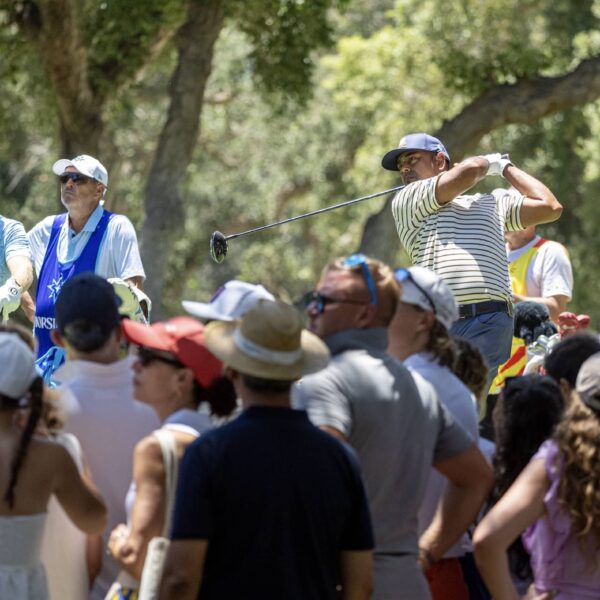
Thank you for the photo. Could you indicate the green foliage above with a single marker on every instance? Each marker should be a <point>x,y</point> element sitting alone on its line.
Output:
<point>284,35</point>
<point>478,44</point>
<point>120,34</point>
<point>394,66</point>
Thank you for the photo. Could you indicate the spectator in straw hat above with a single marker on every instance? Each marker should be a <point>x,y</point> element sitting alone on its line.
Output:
<point>268,505</point>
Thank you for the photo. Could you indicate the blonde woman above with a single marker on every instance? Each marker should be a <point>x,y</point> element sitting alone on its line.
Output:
<point>556,503</point>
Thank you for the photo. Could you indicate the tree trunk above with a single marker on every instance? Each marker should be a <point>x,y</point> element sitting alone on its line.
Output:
<point>53,27</point>
<point>164,210</point>
<point>523,102</point>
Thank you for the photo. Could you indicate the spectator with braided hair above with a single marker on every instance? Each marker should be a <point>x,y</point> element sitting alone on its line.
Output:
<point>36,470</point>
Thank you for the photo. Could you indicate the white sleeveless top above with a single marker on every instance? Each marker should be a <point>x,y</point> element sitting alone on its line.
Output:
<point>22,574</point>
<point>64,546</point>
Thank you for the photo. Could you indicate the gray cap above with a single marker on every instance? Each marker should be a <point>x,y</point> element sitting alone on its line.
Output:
<point>588,382</point>
<point>424,288</point>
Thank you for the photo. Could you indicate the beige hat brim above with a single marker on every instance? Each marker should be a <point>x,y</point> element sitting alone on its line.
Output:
<point>218,337</point>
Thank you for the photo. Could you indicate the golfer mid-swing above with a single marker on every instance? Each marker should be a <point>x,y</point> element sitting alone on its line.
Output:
<point>461,237</point>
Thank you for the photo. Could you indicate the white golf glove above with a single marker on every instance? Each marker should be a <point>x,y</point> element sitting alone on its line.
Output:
<point>10,298</point>
<point>497,163</point>
<point>135,304</point>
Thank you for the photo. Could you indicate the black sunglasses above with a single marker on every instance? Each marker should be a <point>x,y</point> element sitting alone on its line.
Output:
<point>76,178</point>
<point>146,356</point>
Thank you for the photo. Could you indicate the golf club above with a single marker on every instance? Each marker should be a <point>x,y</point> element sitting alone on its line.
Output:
<point>218,241</point>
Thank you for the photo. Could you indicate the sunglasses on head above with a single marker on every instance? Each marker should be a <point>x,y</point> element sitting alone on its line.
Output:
<point>319,301</point>
<point>361,260</point>
<point>403,275</point>
<point>76,178</point>
<point>146,356</point>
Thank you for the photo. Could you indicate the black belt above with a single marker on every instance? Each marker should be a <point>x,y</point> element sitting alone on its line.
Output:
<point>466,311</point>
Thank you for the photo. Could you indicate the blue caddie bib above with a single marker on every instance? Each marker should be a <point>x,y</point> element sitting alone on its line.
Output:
<point>53,275</point>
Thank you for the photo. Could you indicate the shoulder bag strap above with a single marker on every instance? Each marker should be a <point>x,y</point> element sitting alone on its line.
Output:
<point>168,445</point>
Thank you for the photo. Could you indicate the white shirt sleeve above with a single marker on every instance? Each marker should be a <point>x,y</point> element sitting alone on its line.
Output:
<point>551,271</point>
<point>38,238</point>
<point>122,252</point>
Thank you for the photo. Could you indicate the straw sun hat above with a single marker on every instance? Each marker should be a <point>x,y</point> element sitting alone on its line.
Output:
<point>269,342</point>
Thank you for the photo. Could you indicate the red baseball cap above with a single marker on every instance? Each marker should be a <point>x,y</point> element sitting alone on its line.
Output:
<point>184,338</point>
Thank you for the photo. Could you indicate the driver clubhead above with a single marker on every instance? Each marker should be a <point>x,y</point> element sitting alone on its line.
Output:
<point>218,247</point>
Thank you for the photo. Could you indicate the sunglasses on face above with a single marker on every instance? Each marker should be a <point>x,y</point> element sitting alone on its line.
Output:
<point>146,356</point>
<point>319,301</point>
<point>76,178</point>
<point>360,259</point>
<point>403,275</point>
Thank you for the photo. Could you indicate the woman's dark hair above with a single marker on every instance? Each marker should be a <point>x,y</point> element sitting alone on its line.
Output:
<point>569,354</point>
<point>220,396</point>
<point>525,415</point>
<point>441,345</point>
<point>35,395</point>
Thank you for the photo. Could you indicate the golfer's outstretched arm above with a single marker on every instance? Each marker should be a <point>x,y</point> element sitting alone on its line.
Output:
<point>183,570</point>
<point>460,178</point>
<point>357,575</point>
<point>540,204</point>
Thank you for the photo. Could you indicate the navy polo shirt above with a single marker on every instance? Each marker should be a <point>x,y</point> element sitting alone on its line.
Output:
<point>278,500</point>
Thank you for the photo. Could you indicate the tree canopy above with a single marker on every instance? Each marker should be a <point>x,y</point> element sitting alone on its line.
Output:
<point>216,115</point>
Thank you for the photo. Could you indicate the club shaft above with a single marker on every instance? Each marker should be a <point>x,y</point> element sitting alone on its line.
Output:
<point>315,212</point>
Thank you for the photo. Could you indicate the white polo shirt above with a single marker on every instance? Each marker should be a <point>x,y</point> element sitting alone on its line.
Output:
<point>118,256</point>
<point>549,272</point>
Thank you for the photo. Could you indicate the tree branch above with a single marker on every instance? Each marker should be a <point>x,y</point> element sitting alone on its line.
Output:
<point>523,102</point>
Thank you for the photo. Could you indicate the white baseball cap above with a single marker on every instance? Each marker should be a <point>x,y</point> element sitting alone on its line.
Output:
<point>86,165</point>
<point>229,302</point>
<point>424,288</point>
<point>18,366</point>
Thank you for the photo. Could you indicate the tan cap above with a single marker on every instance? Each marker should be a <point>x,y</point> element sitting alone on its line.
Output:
<point>269,342</point>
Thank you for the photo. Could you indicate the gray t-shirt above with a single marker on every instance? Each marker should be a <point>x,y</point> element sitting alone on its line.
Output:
<point>399,429</point>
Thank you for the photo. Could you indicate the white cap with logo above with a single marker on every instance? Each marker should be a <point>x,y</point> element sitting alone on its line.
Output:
<point>86,165</point>
<point>230,302</point>
<point>424,288</point>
